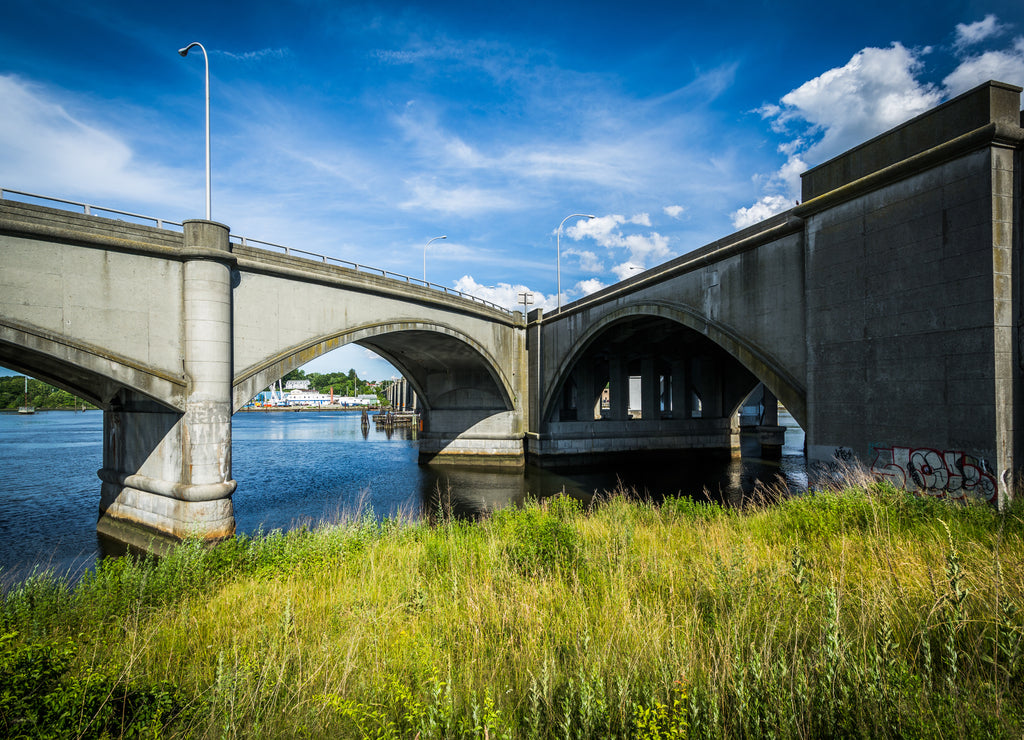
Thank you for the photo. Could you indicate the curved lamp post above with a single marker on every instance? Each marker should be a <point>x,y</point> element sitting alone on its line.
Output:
<point>425,256</point>
<point>184,52</point>
<point>558,248</point>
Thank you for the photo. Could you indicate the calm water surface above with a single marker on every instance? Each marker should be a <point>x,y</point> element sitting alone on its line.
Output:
<point>302,468</point>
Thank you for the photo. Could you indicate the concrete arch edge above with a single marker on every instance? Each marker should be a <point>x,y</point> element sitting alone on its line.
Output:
<point>93,374</point>
<point>252,380</point>
<point>791,392</point>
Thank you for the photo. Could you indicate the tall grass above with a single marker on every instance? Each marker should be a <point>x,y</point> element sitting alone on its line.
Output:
<point>860,611</point>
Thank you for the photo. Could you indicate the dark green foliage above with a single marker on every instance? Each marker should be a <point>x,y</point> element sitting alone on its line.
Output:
<point>541,538</point>
<point>689,508</point>
<point>40,394</point>
<point>41,697</point>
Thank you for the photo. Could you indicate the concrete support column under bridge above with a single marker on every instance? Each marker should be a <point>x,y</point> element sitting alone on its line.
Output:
<point>165,472</point>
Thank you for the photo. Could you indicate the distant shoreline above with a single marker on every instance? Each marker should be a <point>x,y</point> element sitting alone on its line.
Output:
<point>325,407</point>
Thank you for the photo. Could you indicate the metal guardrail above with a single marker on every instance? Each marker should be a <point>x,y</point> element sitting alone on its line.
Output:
<point>162,223</point>
<point>88,209</point>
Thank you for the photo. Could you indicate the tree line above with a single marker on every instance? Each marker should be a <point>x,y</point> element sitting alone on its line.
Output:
<point>41,395</point>
<point>344,384</point>
<point>45,396</point>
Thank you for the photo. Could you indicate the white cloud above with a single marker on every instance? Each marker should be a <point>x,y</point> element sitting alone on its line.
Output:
<point>767,207</point>
<point>974,33</point>
<point>463,200</point>
<point>627,270</point>
<point>674,211</point>
<point>505,294</point>
<point>607,231</point>
<point>252,56</point>
<point>876,90</point>
<point>837,110</point>
<point>1004,66</point>
<point>586,287</point>
<point>52,150</point>
<point>589,261</point>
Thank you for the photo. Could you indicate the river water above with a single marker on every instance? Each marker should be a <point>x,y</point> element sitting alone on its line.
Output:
<point>302,468</point>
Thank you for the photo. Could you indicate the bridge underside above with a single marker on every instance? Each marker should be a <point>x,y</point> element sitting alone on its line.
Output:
<point>644,387</point>
<point>469,417</point>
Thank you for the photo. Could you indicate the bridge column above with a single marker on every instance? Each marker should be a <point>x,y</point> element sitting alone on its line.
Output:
<point>618,389</point>
<point>649,407</point>
<point>585,398</point>
<point>175,479</point>
<point>771,436</point>
<point>680,391</point>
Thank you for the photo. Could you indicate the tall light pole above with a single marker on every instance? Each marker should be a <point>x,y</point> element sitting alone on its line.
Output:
<point>558,251</point>
<point>425,256</point>
<point>184,52</point>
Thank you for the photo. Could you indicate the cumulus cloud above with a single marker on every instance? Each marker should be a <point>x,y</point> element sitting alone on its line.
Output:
<point>1003,65</point>
<point>875,91</point>
<point>589,261</point>
<point>767,207</point>
<point>586,287</point>
<point>674,211</point>
<point>608,232</point>
<point>506,294</point>
<point>968,34</point>
<point>627,270</point>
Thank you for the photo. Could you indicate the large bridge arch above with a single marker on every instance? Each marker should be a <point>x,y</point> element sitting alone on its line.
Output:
<point>88,372</point>
<point>384,338</point>
<point>767,370</point>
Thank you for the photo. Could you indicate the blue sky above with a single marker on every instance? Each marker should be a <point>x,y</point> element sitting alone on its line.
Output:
<point>363,130</point>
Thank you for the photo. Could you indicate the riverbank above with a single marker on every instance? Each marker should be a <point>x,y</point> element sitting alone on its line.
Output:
<point>865,611</point>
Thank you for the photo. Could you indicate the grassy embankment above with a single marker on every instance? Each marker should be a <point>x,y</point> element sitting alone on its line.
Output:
<point>864,611</point>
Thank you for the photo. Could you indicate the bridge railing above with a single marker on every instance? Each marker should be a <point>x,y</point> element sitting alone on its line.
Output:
<point>162,223</point>
<point>328,260</point>
<point>92,210</point>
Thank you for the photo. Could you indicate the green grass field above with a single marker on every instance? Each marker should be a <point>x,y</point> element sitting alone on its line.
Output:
<point>862,611</point>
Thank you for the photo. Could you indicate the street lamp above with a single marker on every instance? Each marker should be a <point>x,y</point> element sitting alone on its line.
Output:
<point>184,52</point>
<point>558,252</point>
<point>425,256</point>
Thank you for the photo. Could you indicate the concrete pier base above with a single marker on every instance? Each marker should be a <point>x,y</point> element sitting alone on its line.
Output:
<point>475,437</point>
<point>772,439</point>
<point>571,443</point>
<point>491,452</point>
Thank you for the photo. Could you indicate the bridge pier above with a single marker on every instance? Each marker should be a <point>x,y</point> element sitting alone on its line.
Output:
<point>771,436</point>
<point>168,473</point>
<point>472,437</point>
<point>573,443</point>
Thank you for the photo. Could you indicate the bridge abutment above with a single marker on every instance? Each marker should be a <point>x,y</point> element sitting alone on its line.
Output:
<point>166,472</point>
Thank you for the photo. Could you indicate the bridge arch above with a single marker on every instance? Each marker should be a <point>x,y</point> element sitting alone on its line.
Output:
<point>786,388</point>
<point>86,371</point>
<point>387,338</point>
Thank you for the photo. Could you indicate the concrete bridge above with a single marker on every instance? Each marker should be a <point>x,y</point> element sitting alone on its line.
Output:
<point>171,333</point>
<point>883,311</point>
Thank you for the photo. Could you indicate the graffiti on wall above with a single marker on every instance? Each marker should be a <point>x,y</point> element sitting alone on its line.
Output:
<point>950,473</point>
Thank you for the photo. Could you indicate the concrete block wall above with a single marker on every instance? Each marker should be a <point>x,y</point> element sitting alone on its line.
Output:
<point>910,290</point>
